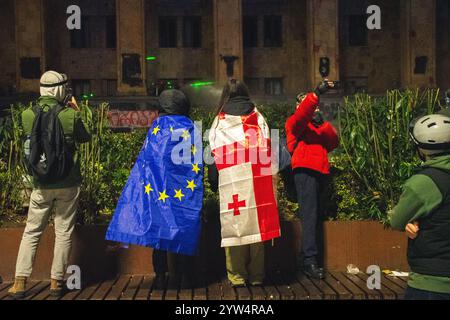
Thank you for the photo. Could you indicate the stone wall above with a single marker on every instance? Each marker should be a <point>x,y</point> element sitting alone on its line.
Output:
<point>7,48</point>
<point>289,62</point>
<point>375,67</point>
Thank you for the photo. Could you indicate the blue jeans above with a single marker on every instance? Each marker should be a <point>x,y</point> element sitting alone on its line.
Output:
<point>416,294</point>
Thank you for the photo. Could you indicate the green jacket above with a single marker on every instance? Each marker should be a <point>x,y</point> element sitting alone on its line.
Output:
<point>76,131</point>
<point>419,198</point>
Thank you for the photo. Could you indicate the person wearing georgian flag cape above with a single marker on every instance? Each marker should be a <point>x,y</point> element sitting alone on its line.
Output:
<point>241,146</point>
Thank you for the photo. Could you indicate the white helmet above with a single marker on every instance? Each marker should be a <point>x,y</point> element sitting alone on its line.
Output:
<point>431,134</point>
<point>54,84</point>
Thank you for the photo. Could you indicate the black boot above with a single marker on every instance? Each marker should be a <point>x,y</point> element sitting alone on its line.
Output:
<point>160,281</point>
<point>313,271</point>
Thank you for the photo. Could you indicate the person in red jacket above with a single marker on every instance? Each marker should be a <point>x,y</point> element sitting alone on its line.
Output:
<point>309,140</point>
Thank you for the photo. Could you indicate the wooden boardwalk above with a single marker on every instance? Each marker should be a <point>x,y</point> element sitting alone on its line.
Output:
<point>337,285</point>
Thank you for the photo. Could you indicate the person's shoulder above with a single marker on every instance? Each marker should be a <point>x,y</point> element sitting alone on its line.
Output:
<point>420,182</point>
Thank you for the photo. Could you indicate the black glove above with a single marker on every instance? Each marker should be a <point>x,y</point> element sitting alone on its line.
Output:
<point>322,88</point>
<point>318,119</point>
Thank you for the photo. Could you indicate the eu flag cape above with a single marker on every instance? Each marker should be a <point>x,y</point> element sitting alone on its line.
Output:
<point>161,203</point>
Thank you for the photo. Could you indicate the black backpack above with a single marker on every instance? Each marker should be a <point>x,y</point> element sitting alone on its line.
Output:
<point>50,158</point>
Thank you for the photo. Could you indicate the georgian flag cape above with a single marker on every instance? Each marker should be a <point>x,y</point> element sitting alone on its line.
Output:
<point>241,147</point>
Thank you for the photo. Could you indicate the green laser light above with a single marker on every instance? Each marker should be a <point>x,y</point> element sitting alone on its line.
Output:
<point>202,84</point>
<point>150,58</point>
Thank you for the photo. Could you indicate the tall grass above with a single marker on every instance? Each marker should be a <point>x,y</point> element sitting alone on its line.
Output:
<point>376,143</point>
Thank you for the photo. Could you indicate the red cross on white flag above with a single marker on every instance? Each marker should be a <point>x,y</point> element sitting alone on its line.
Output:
<point>248,208</point>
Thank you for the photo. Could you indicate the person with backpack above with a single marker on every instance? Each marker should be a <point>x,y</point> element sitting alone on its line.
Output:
<point>240,140</point>
<point>53,130</point>
<point>423,211</point>
<point>309,140</point>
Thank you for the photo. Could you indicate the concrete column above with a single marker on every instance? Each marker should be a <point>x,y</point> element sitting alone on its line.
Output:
<point>228,38</point>
<point>418,43</point>
<point>323,37</point>
<point>130,16</point>
<point>30,44</point>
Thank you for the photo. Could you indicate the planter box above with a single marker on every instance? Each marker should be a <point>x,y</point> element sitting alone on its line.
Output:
<point>358,243</point>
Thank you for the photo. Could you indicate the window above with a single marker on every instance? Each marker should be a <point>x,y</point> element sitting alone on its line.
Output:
<point>111,38</point>
<point>250,26</point>
<point>81,87</point>
<point>81,38</point>
<point>192,32</point>
<point>167,32</point>
<point>273,86</point>
<point>273,31</point>
<point>30,67</point>
<point>357,30</point>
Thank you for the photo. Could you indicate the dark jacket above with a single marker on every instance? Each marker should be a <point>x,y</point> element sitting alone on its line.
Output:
<point>308,144</point>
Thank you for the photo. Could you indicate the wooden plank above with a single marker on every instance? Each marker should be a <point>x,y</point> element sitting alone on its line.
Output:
<point>71,295</point>
<point>398,290</point>
<point>118,288</point>
<point>327,292</point>
<point>5,285</point>
<point>300,293</point>
<point>44,294</point>
<point>398,281</point>
<point>357,293</point>
<point>283,288</point>
<point>132,288</point>
<point>171,294</point>
<point>387,294</point>
<point>157,294</point>
<point>4,291</point>
<point>228,292</point>
<point>343,293</point>
<point>243,294</point>
<point>313,292</point>
<point>200,292</point>
<point>271,291</point>
<point>103,290</point>
<point>258,293</point>
<point>145,288</point>
<point>214,290</point>
<point>41,286</point>
<point>370,294</point>
<point>185,294</point>
<point>88,292</point>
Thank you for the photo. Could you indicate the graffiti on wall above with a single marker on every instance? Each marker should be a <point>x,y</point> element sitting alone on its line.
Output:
<point>131,119</point>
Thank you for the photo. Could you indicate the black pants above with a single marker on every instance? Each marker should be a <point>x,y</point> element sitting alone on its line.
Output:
<point>309,185</point>
<point>416,294</point>
<point>183,265</point>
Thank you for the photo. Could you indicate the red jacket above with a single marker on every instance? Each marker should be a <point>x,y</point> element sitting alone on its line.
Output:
<point>311,144</point>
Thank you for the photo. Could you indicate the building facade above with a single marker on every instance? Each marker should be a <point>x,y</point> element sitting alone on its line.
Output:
<point>139,47</point>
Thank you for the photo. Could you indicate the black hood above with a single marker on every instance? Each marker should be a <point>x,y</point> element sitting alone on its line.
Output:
<point>239,106</point>
<point>174,102</point>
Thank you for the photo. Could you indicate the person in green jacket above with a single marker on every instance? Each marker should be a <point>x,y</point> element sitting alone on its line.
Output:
<point>423,211</point>
<point>59,196</point>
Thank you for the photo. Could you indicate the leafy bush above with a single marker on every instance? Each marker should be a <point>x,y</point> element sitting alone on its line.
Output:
<point>374,160</point>
<point>376,145</point>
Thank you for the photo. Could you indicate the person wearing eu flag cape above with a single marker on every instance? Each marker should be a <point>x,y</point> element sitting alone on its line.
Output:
<point>161,203</point>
